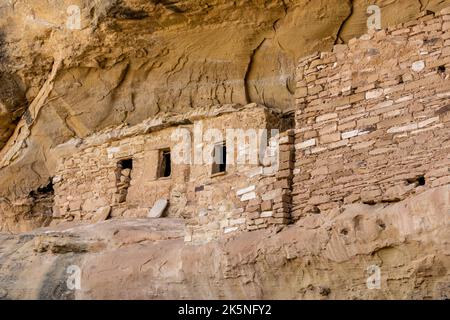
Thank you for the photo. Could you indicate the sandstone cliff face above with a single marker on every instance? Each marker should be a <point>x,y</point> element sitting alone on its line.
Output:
<point>133,59</point>
<point>321,257</point>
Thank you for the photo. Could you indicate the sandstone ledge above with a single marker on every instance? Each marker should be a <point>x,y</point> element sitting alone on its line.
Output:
<point>320,257</point>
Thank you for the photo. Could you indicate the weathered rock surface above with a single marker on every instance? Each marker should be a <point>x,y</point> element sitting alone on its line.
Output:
<point>133,59</point>
<point>158,209</point>
<point>321,257</point>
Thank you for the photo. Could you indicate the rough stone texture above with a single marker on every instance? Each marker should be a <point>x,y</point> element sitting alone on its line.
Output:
<point>90,174</point>
<point>147,57</point>
<point>158,209</point>
<point>378,128</point>
<point>147,259</point>
<point>362,180</point>
<point>101,214</point>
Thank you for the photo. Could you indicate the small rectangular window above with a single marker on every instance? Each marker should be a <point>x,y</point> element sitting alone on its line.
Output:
<point>125,164</point>
<point>219,158</point>
<point>165,164</point>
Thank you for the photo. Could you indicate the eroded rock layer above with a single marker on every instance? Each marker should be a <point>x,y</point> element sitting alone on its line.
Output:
<point>321,257</point>
<point>133,59</point>
<point>361,191</point>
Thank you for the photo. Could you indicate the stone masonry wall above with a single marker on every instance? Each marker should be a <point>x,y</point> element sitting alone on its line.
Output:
<point>372,125</point>
<point>260,195</point>
<point>373,118</point>
<point>93,181</point>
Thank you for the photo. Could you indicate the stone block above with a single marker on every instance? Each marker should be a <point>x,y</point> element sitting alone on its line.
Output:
<point>350,134</point>
<point>306,144</point>
<point>282,184</point>
<point>418,66</point>
<point>254,202</point>
<point>158,208</point>
<point>370,196</point>
<point>326,117</point>
<point>315,200</point>
<point>266,205</point>
<point>230,229</point>
<point>101,214</point>
<point>374,94</point>
<point>245,190</point>
<point>239,221</point>
<point>283,221</point>
<point>256,208</point>
<point>266,214</point>
<point>271,194</point>
<point>284,174</point>
<point>409,127</point>
<point>253,215</point>
<point>334,137</point>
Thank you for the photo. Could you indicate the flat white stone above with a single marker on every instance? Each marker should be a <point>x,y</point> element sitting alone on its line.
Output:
<point>158,208</point>
<point>270,171</point>
<point>404,99</point>
<point>57,179</point>
<point>319,149</point>
<point>306,144</point>
<point>248,196</point>
<point>362,133</point>
<point>101,214</point>
<point>418,66</point>
<point>444,95</point>
<point>427,122</point>
<point>230,229</point>
<point>254,172</point>
<point>284,140</point>
<point>403,128</point>
<point>113,150</point>
<point>350,134</point>
<point>245,190</point>
<point>266,214</point>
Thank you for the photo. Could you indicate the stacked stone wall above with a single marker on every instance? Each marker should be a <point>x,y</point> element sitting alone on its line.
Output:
<point>92,178</point>
<point>260,195</point>
<point>372,125</point>
<point>373,118</point>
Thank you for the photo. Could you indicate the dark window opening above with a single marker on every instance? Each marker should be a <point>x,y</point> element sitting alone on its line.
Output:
<point>219,158</point>
<point>441,69</point>
<point>420,181</point>
<point>48,189</point>
<point>165,164</point>
<point>125,164</point>
<point>42,204</point>
<point>123,179</point>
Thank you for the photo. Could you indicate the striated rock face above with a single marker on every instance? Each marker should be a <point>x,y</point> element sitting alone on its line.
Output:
<point>133,59</point>
<point>321,257</point>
